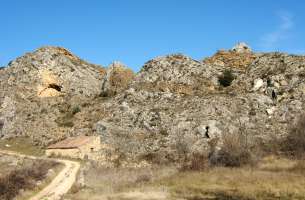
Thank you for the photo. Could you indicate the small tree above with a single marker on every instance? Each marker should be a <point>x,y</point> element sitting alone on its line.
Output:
<point>235,152</point>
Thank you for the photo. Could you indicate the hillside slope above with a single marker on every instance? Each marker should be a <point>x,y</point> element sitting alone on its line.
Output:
<point>173,101</point>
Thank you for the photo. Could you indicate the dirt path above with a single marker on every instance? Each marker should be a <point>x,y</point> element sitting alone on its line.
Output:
<point>61,184</point>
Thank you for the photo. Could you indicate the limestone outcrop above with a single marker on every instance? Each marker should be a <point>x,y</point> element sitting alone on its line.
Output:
<point>173,104</point>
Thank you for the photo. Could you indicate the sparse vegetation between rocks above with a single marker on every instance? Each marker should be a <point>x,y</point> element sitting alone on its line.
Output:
<point>176,111</point>
<point>24,179</point>
<point>22,145</point>
<point>236,151</point>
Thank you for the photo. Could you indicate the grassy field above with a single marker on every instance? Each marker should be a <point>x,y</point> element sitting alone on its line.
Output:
<point>21,145</point>
<point>273,178</point>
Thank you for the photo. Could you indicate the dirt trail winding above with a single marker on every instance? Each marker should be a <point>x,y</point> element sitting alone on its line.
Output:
<point>61,184</point>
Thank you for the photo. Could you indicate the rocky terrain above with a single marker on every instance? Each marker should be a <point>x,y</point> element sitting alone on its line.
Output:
<point>42,91</point>
<point>174,105</point>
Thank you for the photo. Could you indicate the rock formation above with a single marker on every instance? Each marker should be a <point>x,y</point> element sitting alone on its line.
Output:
<point>174,104</point>
<point>38,86</point>
<point>241,47</point>
<point>116,79</point>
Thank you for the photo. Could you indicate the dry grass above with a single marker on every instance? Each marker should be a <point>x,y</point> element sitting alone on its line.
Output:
<point>299,167</point>
<point>196,162</point>
<point>103,183</point>
<point>118,179</point>
<point>24,178</point>
<point>21,145</point>
<point>268,181</point>
<point>272,178</point>
<point>6,164</point>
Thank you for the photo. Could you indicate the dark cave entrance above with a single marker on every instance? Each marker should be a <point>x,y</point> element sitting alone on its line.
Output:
<point>55,87</point>
<point>1,124</point>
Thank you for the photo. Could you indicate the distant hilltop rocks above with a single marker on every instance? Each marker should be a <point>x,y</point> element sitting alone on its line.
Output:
<point>174,100</point>
<point>242,47</point>
<point>175,73</point>
<point>238,58</point>
<point>54,71</point>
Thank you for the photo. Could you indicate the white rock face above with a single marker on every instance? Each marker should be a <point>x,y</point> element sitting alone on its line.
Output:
<point>210,130</point>
<point>241,47</point>
<point>271,110</point>
<point>258,83</point>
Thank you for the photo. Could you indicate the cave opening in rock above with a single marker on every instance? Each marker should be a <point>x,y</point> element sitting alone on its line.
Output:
<point>55,87</point>
<point>207,132</point>
<point>1,124</point>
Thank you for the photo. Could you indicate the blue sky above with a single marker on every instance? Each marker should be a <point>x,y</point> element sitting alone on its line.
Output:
<point>134,31</point>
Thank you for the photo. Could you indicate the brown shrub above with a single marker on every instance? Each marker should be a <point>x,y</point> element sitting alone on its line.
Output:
<point>235,151</point>
<point>143,178</point>
<point>75,188</point>
<point>299,167</point>
<point>270,146</point>
<point>294,144</point>
<point>196,162</point>
<point>24,178</point>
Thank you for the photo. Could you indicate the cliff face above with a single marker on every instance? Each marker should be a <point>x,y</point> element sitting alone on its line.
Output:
<point>173,101</point>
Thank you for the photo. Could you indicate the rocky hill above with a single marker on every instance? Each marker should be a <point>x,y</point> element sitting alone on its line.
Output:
<point>174,103</point>
<point>41,92</point>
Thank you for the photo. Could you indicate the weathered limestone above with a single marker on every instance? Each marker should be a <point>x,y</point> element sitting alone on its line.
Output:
<point>173,102</point>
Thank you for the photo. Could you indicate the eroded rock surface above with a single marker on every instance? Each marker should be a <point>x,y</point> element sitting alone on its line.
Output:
<point>174,104</point>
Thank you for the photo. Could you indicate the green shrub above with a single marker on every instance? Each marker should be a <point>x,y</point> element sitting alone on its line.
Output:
<point>66,120</point>
<point>226,78</point>
<point>75,109</point>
